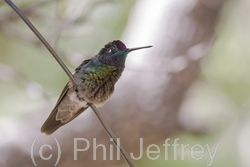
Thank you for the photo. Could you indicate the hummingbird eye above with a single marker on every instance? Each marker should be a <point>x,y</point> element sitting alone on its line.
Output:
<point>112,51</point>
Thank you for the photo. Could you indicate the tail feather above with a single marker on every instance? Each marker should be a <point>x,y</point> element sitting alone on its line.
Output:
<point>51,124</point>
<point>64,101</point>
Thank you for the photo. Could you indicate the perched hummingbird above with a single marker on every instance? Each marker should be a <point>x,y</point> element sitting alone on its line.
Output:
<point>95,79</point>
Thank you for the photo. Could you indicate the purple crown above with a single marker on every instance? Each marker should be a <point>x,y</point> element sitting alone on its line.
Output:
<point>120,45</point>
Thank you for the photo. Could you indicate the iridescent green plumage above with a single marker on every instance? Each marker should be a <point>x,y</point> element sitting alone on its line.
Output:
<point>95,79</point>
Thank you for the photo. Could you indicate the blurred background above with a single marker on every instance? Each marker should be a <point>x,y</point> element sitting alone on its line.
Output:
<point>192,85</point>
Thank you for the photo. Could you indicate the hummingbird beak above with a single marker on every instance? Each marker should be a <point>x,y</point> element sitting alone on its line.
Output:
<point>133,49</point>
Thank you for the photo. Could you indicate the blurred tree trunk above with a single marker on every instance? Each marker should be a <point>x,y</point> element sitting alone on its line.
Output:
<point>146,103</point>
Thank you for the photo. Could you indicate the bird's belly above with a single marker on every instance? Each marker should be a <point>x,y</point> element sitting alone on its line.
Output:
<point>95,92</point>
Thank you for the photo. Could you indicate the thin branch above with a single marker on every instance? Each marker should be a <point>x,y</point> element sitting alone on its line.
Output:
<point>103,122</point>
<point>111,135</point>
<point>46,44</point>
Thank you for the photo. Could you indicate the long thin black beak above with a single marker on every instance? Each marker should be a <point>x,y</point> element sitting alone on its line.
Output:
<point>133,49</point>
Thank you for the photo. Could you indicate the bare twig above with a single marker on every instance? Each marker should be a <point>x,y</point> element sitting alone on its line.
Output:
<point>111,135</point>
<point>36,32</point>
<point>46,44</point>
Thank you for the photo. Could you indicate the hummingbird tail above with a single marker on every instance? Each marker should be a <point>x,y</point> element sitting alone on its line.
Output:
<point>51,124</point>
<point>59,116</point>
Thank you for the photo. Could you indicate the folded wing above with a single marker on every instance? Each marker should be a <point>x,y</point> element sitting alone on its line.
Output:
<point>67,108</point>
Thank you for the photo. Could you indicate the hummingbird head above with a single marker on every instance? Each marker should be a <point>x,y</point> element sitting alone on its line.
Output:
<point>115,53</point>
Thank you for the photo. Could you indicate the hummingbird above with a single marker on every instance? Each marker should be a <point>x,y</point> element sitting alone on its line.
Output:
<point>95,79</point>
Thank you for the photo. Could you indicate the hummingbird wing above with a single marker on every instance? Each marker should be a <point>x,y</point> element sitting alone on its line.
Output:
<point>67,108</point>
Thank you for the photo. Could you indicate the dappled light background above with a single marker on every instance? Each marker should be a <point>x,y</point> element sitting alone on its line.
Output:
<point>192,85</point>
